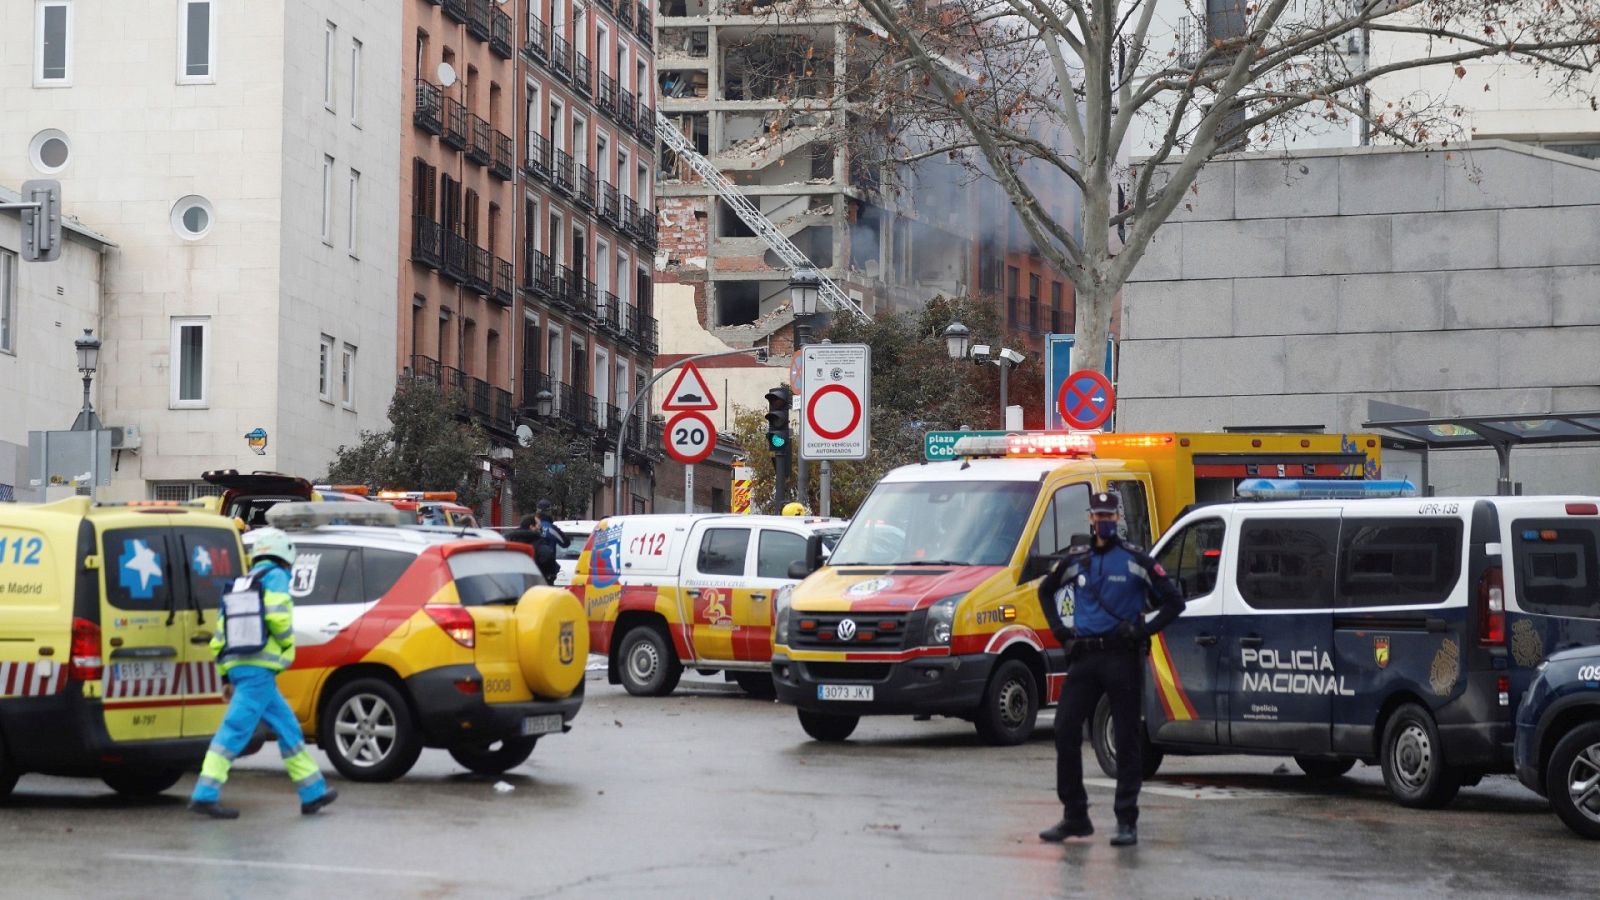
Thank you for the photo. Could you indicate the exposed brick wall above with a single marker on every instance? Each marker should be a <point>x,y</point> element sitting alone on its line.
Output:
<point>683,233</point>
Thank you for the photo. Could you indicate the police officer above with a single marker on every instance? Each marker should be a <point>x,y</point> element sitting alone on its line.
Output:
<point>1110,583</point>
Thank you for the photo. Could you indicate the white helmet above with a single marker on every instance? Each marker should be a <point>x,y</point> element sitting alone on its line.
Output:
<point>273,542</point>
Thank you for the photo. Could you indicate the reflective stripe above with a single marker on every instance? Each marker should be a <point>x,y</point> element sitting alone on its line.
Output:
<point>302,767</point>
<point>215,767</point>
<point>309,780</point>
<point>217,748</point>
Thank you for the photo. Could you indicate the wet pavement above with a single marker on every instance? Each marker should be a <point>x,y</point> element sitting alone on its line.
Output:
<point>709,793</point>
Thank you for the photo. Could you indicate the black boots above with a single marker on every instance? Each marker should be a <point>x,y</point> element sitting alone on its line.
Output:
<point>1126,836</point>
<point>307,809</point>
<point>212,809</point>
<point>1066,828</point>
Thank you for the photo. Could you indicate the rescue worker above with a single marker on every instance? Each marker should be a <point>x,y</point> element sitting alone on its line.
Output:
<point>1110,584</point>
<point>795,508</point>
<point>545,544</point>
<point>251,685</point>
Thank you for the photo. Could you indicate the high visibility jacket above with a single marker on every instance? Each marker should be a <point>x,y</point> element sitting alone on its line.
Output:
<point>278,654</point>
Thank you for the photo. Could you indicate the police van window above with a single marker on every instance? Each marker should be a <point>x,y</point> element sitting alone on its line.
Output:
<point>1287,563</point>
<point>380,569</point>
<point>139,568</point>
<point>1068,515</point>
<point>1558,570</point>
<point>1393,562</point>
<point>1194,557</point>
<point>1135,526</point>
<point>212,561</point>
<point>776,551</point>
<point>314,577</point>
<point>722,551</point>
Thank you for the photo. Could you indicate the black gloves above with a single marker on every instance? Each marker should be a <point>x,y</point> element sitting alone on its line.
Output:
<point>1131,631</point>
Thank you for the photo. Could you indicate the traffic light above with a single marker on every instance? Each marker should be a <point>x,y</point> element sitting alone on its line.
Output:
<point>779,401</point>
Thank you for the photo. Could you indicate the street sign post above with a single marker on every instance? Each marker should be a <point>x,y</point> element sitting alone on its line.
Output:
<point>689,392</point>
<point>1085,400</point>
<point>1058,365</point>
<point>939,446</point>
<point>836,404</point>
<point>689,437</point>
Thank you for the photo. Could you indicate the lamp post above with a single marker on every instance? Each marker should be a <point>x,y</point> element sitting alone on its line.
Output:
<point>88,348</point>
<point>542,402</point>
<point>957,337</point>
<point>804,287</point>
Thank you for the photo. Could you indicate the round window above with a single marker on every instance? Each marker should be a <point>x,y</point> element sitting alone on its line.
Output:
<point>192,217</point>
<point>50,150</point>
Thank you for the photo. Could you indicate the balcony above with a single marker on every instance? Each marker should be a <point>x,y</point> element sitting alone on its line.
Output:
<point>539,163</point>
<point>625,217</point>
<point>480,270</point>
<point>478,19</point>
<point>585,192</point>
<point>641,26</point>
<point>588,410</point>
<point>607,313</point>
<point>560,57</point>
<point>586,296</point>
<point>610,418</point>
<point>500,34</point>
<point>428,114</point>
<point>563,172</point>
<point>505,282</point>
<point>427,242</point>
<point>425,368</point>
<point>533,381</point>
<point>581,74</point>
<point>502,165</point>
<point>625,13</point>
<point>1060,321</point>
<point>625,109</point>
<point>610,205</point>
<point>644,227</point>
<point>457,258</point>
<point>538,275</point>
<point>456,127</point>
<point>646,126</point>
<point>536,44</point>
<point>479,147</point>
<point>605,95</point>
<point>565,406</point>
<point>460,10</point>
<point>564,291</point>
<point>639,329</point>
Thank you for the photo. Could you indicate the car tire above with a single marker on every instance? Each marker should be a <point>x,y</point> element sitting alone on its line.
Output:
<point>141,782</point>
<point>368,733</point>
<point>646,662</point>
<point>756,684</point>
<point>494,757</point>
<point>1103,737</point>
<point>9,773</point>
<point>1413,761</point>
<point>1010,707</point>
<point>826,727</point>
<point>1572,780</point>
<point>1323,767</point>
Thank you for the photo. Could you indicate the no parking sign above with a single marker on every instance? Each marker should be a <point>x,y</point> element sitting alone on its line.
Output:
<point>1085,399</point>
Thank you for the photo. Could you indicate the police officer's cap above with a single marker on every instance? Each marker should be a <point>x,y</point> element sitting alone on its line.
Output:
<point>1103,502</point>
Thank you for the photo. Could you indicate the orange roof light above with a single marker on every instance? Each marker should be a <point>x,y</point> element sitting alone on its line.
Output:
<point>416,495</point>
<point>1128,441</point>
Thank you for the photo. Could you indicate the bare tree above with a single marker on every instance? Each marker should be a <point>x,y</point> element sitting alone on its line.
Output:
<point>1039,93</point>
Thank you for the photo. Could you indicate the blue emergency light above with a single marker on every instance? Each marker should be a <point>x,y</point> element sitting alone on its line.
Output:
<point>1323,489</point>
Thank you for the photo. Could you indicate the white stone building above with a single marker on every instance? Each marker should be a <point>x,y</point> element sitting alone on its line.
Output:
<point>242,158</point>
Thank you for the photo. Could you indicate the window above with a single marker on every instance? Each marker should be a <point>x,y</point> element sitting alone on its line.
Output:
<point>722,551</point>
<point>191,376</point>
<point>323,575</point>
<point>139,575</point>
<point>1194,557</point>
<point>355,194</point>
<point>192,217</point>
<point>1013,277</point>
<point>347,377</point>
<point>53,43</point>
<point>485,577</point>
<point>1558,571</point>
<point>380,569</point>
<point>325,370</point>
<point>212,559</point>
<point>49,150</point>
<point>1287,563</point>
<point>327,200</point>
<point>1135,525</point>
<point>355,82</point>
<point>8,301</point>
<point>330,34</point>
<point>974,523</point>
<point>196,42</point>
<point>1390,562</point>
<point>1068,516</point>
<point>776,551</point>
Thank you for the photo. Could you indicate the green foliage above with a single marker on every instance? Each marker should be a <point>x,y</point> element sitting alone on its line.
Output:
<point>556,467</point>
<point>426,448</point>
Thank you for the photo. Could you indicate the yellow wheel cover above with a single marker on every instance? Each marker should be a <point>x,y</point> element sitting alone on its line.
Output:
<point>552,641</point>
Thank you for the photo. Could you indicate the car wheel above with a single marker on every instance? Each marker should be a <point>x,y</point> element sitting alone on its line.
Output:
<point>1572,780</point>
<point>367,732</point>
<point>141,782</point>
<point>649,667</point>
<point>1413,760</point>
<point>494,757</point>
<point>1323,767</point>
<point>1010,705</point>
<point>756,684</point>
<point>826,727</point>
<point>1104,738</point>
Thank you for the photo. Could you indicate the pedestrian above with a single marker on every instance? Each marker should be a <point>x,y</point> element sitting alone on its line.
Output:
<point>526,532</point>
<point>253,642</point>
<point>544,550</point>
<point>1109,584</point>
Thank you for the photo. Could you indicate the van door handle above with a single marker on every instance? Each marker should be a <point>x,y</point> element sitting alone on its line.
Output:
<point>1251,640</point>
<point>143,652</point>
<point>332,629</point>
<point>1205,640</point>
<point>693,592</point>
<point>756,595</point>
<point>1434,625</point>
<point>201,637</point>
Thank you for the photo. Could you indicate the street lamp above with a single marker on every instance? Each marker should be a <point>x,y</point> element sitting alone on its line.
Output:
<point>956,339</point>
<point>88,348</point>
<point>542,402</point>
<point>805,285</point>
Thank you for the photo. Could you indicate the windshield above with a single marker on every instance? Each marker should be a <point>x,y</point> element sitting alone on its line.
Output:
<point>574,547</point>
<point>971,523</point>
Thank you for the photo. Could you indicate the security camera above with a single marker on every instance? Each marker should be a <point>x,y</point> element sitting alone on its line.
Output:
<point>1012,355</point>
<point>979,351</point>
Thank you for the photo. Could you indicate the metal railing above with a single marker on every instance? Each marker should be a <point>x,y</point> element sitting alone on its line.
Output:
<point>478,19</point>
<point>625,108</point>
<point>427,242</point>
<point>625,217</point>
<point>460,10</point>
<point>625,13</point>
<point>605,95</point>
<point>582,74</point>
<point>605,5</point>
<point>585,188</point>
<point>457,261</point>
<point>480,269</point>
<point>584,296</point>
<point>563,172</point>
<point>534,381</point>
<point>561,57</point>
<point>500,34</point>
<point>456,127</point>
<point>644,226</point>
<point>646,126</point>
<point>505,281</point>
<point>565,407</point>
<point>610,206</point>
<point>480,147</point>
<point>539,163</point>
<point>425,368</point>
<point>563,291</point>
<point>503,165</point>
<point>641,25</point>
<point>428,113</point>
<point>607,313</point>
<point>538,276</point>
<point>536,43</point>
<point>610,418</point>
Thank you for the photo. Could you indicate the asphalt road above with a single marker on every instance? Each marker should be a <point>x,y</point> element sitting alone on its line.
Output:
<point>712,794</point>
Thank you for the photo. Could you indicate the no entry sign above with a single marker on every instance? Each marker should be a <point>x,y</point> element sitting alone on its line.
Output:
<point>689,437</point>
<point>1085,399</point>
<point>836,402</point>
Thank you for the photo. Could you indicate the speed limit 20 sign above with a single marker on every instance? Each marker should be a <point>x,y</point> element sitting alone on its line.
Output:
<point>690,437</point>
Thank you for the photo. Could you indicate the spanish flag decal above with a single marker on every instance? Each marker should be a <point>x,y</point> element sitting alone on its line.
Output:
<point>1173,699</point>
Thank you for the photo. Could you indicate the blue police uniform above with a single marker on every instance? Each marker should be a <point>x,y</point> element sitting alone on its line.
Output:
<point>1110,585</point>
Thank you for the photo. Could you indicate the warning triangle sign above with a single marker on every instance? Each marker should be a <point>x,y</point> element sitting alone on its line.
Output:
<point>689,392</point>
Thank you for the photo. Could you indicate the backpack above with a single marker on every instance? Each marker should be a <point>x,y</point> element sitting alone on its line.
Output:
<point>244,618</point>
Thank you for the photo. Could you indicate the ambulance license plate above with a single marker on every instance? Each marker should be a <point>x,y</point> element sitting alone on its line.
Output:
<point>144,670</point>
<point>844,692</point>
<point>536,725</point>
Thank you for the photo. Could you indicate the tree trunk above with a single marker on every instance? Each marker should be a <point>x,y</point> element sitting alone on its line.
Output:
<point>1092,326</point>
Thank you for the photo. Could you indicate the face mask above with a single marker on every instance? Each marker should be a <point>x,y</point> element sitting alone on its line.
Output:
<point>1105,529</point>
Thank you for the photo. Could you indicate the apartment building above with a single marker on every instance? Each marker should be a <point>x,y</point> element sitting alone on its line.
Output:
<point>234,156</point>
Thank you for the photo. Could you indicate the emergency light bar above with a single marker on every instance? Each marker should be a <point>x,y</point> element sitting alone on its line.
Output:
<point>417,495</point>
<point>1064,444</point>
<point>359,490</point>
<point>304,516</point>
<point>1322,489</point>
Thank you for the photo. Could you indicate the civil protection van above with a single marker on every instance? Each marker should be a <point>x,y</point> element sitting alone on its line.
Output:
<point>1401,632</point>
<point>106,613</point>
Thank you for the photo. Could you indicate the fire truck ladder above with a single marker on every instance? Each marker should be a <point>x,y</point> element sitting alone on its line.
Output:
<point>753,219</point>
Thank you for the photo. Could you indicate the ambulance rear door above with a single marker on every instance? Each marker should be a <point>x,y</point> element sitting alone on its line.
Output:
<point>145,627</point>
<point>210,561</point>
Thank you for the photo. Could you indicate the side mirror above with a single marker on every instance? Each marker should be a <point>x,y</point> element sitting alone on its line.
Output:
<point>798,570</point>
<point>801,568</point>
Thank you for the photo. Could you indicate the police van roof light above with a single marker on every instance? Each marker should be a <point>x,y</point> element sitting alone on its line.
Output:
<point>303,516</point>
<point>1322,489</point>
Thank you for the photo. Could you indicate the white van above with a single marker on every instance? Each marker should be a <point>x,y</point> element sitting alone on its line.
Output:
<point>1395,631</point>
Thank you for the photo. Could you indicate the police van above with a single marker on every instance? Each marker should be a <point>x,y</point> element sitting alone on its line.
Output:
<point>1398,631</point>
